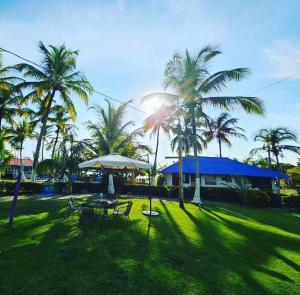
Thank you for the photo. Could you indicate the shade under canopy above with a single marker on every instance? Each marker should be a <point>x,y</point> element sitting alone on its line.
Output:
<point>115,161</point>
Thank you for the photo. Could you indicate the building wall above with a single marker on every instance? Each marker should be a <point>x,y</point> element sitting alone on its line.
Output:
<point>189,181</point>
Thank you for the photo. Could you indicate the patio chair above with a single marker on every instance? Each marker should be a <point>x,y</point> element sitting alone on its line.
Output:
<point>75,206</point>
<point>123,209</point>
<point>98,214</point>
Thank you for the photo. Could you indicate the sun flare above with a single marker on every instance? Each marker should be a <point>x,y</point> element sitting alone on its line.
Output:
<point>152,105</point>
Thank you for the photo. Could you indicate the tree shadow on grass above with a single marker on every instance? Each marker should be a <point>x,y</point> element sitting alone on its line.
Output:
<point>187,253</point>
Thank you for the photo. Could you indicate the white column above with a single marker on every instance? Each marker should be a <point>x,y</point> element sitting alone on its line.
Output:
<point>111,188</point>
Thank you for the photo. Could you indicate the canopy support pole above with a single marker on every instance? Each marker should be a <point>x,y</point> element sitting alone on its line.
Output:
<point>111,188</point>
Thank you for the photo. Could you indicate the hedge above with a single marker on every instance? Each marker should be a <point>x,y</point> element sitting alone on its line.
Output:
<point>292,202</point>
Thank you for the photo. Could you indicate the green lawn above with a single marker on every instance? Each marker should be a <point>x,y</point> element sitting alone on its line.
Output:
<point>222,249</point>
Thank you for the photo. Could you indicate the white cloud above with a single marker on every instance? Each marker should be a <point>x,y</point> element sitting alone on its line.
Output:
<point>284,58</point>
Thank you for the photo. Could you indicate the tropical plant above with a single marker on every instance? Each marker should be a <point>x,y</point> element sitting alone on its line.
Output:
<point>56,75</point>
<point>111,135</point>
<point>160,120</point>
<point>190,78</point>
<point>274,143</point>
<point>223,127</point>
<point>5,156</point>
<point>17,135</point>
<point>59,119</point>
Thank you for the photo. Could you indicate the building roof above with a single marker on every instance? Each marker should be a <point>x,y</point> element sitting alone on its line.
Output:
<point>25,161</point>
<point>223,166</point>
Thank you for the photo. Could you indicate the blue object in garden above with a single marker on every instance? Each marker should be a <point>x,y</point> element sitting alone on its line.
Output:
<point>73,178</point>
<point>47,191</point>
<point>99,179</point>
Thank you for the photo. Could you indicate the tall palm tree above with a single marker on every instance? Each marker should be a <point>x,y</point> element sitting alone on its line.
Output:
<point>223,127</point>
<point>189,77</point>
<point>56,76</point>
<point>160,120</point>
<point>177,143</point>
<point>273,142</point>
<point>59,120</point>
<point>111,135</point>
<point>17,135</point>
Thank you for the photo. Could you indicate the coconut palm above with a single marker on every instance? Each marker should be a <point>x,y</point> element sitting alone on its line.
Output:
<point>223,127</point>
<point>189,77</point>
<point>56,76</point>
<point>177,143</point>
<point>18,133</point>
<point>59,119</point>
<point>273,142</point>
<point>160,120</point>
<point>111,135</point>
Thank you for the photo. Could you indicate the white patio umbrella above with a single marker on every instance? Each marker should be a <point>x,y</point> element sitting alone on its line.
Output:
<point>116,162</point>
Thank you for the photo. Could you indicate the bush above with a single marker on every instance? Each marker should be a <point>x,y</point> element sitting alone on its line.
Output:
<point>258,198</point>
<point>221,194</point>
<point>292,202</point>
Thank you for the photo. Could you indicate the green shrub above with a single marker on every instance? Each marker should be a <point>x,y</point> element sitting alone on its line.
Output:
<point>258,198</point>
<point>221,194</point>
<point>292,202</point>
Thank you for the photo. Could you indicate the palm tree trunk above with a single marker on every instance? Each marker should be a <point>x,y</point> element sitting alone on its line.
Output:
<point>17,191</point>
<point>156,151</point>
<point>42,134</point>
<point>197,197</point>
<point>277,162</point>
<point>43,142</point>
<point>269,158</point>
<point>55,143</point>
<point>220,148</point>
<point>180,175</point>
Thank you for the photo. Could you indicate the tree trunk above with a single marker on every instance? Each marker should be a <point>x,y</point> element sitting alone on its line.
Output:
<point>277,162</point>
<point>43,142</point>
<point>55,142</point>
<point>220,148</point>
<point>197,197</point>
<point>17,191</point>
<point>269,158</point>
<point>42,134</point>
<point>156,151</point>
<point>180,175</point>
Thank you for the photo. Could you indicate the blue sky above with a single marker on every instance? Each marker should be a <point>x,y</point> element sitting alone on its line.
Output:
<point>124,46</point>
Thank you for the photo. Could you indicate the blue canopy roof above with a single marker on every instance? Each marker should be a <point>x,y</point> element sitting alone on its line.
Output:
<point>223,166</point>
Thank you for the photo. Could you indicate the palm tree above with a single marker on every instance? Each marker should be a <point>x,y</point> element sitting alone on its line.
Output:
<point>111,135</point>
<point>192,82</point>
<point>60,120</point>
<point>223,127</point>
<point>273,142</point>
<point>5,155</point>
<point>160,120</point>
<point>17,135</point>
<point>177,143</point>
<point>57,75</point>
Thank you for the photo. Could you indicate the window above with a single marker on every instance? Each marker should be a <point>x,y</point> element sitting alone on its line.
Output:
<point>210,180</point>
<point>186,178</point>
<point>226,178</point>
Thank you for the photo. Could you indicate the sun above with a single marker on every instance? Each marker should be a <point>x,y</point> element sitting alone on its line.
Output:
<point>152,105</point>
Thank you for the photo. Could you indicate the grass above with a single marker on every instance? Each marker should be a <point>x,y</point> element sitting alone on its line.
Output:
<point>222,249</point>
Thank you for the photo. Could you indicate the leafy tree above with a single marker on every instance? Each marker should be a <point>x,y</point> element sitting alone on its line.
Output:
<point>111,135</point>
<point>190,78</point>
<point>56,76</point>
<point>274,143</point>
<point>223,127</point>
